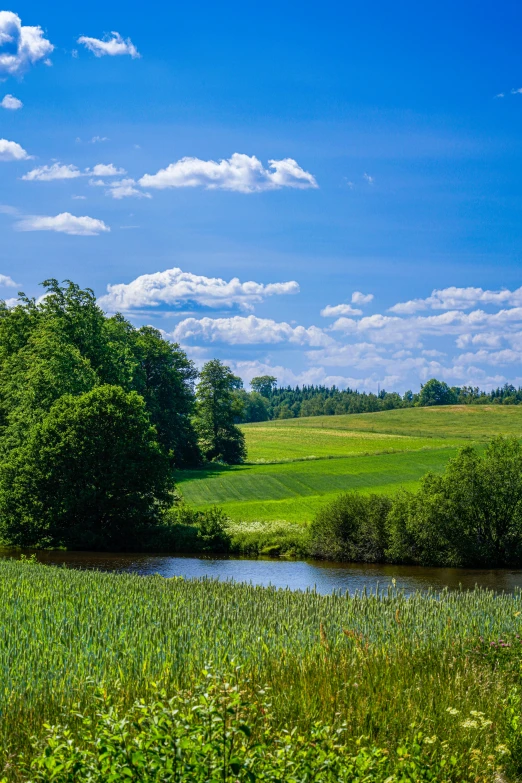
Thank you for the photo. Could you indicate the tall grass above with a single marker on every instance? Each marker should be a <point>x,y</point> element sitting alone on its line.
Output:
<point>377,663</point>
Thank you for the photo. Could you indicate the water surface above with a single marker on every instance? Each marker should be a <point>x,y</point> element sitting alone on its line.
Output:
<point>296,575</point>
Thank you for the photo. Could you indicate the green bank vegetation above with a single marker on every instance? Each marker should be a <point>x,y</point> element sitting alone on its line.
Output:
<point>266,684</point>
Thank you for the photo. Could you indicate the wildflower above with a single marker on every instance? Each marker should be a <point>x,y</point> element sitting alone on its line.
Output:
<point>469,724</point>
<point>452,711</point>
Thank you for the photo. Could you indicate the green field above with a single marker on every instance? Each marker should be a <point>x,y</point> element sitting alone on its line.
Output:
<point>294,466</point>
<point>419,688</point>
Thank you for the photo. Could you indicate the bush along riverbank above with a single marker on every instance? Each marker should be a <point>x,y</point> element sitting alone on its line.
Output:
<point>470,516</point>
<point>112,677</point>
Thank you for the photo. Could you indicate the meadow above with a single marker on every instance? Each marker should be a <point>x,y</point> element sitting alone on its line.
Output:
<point>295,466</point>
<point>410,685</point>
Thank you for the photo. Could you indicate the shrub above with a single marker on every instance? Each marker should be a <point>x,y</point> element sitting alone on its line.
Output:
<point>184,529</point>
<point>216,735</point>
<point>352,527</point>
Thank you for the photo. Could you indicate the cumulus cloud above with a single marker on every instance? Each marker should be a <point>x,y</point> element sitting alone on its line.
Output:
<point>50,173</point>
<point>69,171</point>
<point>123,188</point>
<point>333,311</point>
<point>10,150</point>
<point>242,173</point>
<point>7,281</point>
<point>408,331</point>
<point>64,223</point>
<point>361,299</point>
<point>109,46</point>
<point>106,170</point>
<point>454,298</point>
<point>249,330</point>
<point>20,45</point>
<point>176,288</point>
<point>10,102</point>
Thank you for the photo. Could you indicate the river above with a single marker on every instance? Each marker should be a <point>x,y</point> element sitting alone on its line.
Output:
<point>325,577</point>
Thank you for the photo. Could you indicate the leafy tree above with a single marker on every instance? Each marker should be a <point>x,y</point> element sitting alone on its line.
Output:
<point>73,312</point>
<point>254,407</point>
<point>166,380</point>
<point>264,385</point>
<point>436,392</point>
<point>219,438</point>
<point>90,474</point>
<point>32,379</point>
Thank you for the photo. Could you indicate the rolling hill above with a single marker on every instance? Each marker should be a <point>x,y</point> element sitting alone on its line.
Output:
<point>296,465</point>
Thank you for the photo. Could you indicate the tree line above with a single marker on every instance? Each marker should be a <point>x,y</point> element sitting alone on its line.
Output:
<point>94,416</point>
<point>267,401</point>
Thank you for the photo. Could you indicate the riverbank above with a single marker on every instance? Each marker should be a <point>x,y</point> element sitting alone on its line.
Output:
<point>324,577</point>
<point>386,668</point>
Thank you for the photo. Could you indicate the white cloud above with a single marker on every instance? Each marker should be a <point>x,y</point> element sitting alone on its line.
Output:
<point>7,281</point>
<point>50,173</point>
<point>20,46</point>
<point>119,189</point>
<point>79,198</point>
<point>494,358</point>
<point>111,46</point>
<point>10,102</point>
<point>97,139</point>
<point>10,150</point>
<point>361,299</point>
<point>69,171</point>
<point>242,173</point>
<point>454,298</point>
<point>106,170</point>
<point>370,180</point>
<point>249,330</point>
<point>174,287</point>
<point>64,223</point>
<point>332,311</point>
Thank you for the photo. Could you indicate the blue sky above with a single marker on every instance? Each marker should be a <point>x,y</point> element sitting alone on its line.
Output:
<point>330,192</point>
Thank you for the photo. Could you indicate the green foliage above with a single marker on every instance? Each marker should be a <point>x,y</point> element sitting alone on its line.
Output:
<point>353,527</point>
<point>422,679</point>
<point>435,392</point>
<point>471,515</point>
<point>166,380</point>
<point>253,407</point>
<point>269,539</point>
<point>217,407</point>
<point>216,735</point>
<point>90,474</point>
<point>66,345</point>
<point>187,530</point>
<point>264,385</point>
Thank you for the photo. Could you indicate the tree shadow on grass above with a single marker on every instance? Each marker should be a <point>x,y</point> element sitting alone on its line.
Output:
<point>208,471</point>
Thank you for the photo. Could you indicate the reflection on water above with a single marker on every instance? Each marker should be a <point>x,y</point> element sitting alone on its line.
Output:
<point>296,575</point>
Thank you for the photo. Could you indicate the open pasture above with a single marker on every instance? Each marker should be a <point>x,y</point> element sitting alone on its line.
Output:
<point>293,491</point>
<point>296,465</point>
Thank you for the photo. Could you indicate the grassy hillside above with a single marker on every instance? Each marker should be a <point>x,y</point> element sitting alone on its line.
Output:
<point>294,466</point>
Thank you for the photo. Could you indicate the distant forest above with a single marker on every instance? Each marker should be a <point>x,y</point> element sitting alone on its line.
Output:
<point>267,401</point>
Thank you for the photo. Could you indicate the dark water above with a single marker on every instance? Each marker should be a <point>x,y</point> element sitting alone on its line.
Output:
<point>297,575</point>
